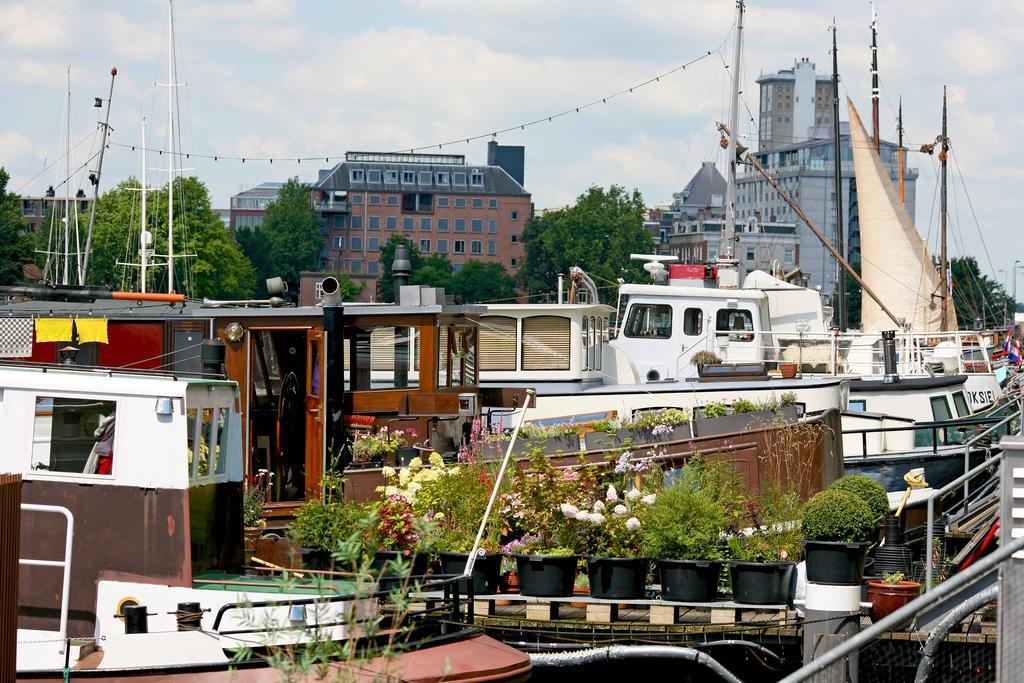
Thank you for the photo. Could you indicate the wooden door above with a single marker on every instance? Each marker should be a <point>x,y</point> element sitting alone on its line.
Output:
<point>315,451</point>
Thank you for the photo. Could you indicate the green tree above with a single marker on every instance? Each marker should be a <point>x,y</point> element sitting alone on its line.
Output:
<point>483,282</point>
<point>853,294</point>
<point>15,247</point>
<point>976,296</point>
<point>288,242</point>
<point>434,270</point>
<point>597,234</point>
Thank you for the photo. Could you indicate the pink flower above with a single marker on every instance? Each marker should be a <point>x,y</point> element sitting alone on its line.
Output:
<point>611,494</point>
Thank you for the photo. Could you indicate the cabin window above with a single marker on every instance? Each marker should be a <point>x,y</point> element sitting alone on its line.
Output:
<point>962,409</point>
<point>693,322</point>
<point>457,356</point>
<point>73,435</point>
<point>649,321</point>
<point>940,409</point>
<point>737,322</point>
<point>383,358</point>
<point>546,343</point>
<point>207,428</point>
<point>498,343</point>
<point>857,404</point>
<point>593,337</point>
<point>585,325</point>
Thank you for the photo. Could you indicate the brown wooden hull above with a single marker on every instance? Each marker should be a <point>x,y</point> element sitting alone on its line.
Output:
<point>475,659</point>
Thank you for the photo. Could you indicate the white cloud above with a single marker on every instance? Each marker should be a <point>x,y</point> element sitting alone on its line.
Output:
<point>35,26</point>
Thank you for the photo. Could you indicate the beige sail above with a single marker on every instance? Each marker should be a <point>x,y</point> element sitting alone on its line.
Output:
<point>894,259</point>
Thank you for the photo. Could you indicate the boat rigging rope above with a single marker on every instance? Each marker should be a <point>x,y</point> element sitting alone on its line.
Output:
<point>602,654</point>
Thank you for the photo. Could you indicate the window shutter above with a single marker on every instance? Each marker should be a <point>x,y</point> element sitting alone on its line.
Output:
<point>497,343</point>
<point>546,343</point>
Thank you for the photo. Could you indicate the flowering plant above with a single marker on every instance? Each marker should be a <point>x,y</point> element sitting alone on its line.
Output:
<point>773,534</point>
<point>371,446</point>
<point>659,421</point>
<point>611,526</point>
<point>255,491</point>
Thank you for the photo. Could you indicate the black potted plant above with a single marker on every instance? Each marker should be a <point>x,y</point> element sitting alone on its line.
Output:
<point>764,545</point>
<point>550,440</point>
<point>744,414</point>
<point>837,527</point>
<point>603,435</point>
<point>683,529</point>
<point>323,523</point>
<point>655,426</point>
<point>868,490</point>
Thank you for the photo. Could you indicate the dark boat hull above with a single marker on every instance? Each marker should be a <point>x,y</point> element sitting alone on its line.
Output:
<point>888,470</point>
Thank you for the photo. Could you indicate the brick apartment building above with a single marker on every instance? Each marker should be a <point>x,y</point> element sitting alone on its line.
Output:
<point>33,209</point>
<point>249,207</point>
<point>444,205</point>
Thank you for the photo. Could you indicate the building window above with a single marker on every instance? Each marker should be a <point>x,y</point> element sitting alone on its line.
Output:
<point>515,238</point>
<point>424,246</point>
<point>60,442</point>
<point>492,226</point>
<point>459,247</point>
<point>460,225</point>
<point>339,242</point>
<point>339,221</point>
<point>476,247</point>
<point>787,255</point>
<point>492,247</point>
<point>374,222</point>
<point>442,246</point>
<point>750,253</point>
<point>375,199</point>
<point>356,243</point>
<point>492,203</point>
<point>357,175</point>
<point>407,224</point>
<point>391,177</point>
<point>373,267</point>
<point>441,178</point>
<point>515,215</point>
<point>408,177</point>
<point>456,267</point>
<point>391,223</point>
<point>478,225</point>
<point>355,266</point>
<point>460,202</point>
<point>357,199</point>
<point>478,203</point>
<point>357,222</point>
<point>442,225</point>
<point>442,202</point>
<point>373,176</point>
<point>424,225</point>
<point>426,177</point>
<point>458,178</point>
<point>476,179</point>
<point>373,244</point>
<point>513,262</point>
<point>392,200</point>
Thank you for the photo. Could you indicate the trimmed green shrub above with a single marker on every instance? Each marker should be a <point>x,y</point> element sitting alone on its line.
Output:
<point>715,409</point>
<point>649,419</point>
<point>868,490</point>
<point>834,515</point>
<point>743,406</point>
<point>684,523</point>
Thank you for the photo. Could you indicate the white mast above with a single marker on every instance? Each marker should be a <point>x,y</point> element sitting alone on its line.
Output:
<point>67,190</point>
<point>143,233</point>
<point>171,84</point>
<point>728,275</point>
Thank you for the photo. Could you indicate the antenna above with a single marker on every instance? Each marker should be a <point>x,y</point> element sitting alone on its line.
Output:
<point>874,79</point>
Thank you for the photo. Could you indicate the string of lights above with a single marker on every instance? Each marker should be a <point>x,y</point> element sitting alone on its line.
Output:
<point>439,145</point>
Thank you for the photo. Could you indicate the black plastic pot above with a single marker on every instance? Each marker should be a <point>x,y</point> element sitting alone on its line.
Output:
<point>835,563</point>
<point>689,580</point>
<point>405,454</point>
<point>618,578</point>
<point>316,559</point>
<point>486,571</point>
<point>762,583</point>
<point>546,577</point>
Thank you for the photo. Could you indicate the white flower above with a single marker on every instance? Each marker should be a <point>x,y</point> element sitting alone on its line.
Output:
<point>583,515</point>
<point>632,523</point>
<point>596,518</point>
<point>611,494</point>
<point>388,472</point>
<point>598,506</point>
<point>413,487</point>
<point>649,499</point>
<point>632,494</point>
<point>438,516</point>
<point>435,459</point>
<point>620,510</point>
<point>390,491</point>
<point>568,510</point>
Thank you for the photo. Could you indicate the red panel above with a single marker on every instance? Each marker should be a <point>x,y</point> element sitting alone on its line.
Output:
<point>135,344</point>
<point>44,352</point>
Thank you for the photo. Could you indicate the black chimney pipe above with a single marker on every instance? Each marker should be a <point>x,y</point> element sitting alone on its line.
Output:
<point>889,356</point>
<point>211,357</point>
<point>334,380</point>
<point>401,271</point>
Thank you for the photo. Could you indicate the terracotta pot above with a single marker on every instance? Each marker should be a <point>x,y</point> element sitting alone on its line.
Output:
<point>788,370</point>
<point>887,598</point>
<point>580,590</point>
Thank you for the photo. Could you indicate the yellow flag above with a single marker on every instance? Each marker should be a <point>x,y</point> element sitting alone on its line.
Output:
<point>53,329</point>
<point>92,330</point>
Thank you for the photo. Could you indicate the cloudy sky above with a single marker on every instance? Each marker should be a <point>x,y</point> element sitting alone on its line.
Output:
<point>290,78</point>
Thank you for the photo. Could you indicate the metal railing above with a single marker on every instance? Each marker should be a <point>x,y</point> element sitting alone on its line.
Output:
<point>948,588</point>
<point>64,564</point>
<point>936,428</point>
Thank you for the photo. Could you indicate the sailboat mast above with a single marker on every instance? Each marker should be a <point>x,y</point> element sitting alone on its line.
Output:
<point>840,297</point>
<point>96,178</point>
<point>729,229</point>
<point>943,264</point>
<point>142,230</point>
<point>67,190</point>
<point>899,133</point>
<point>874,80</point>
<point>170,146</point>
